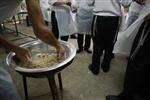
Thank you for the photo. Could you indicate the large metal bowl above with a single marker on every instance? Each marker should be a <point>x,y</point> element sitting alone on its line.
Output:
<point>38,47</point>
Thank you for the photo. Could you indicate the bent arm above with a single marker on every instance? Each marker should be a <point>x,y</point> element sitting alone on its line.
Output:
<point>8,45</point>
<point>21,53</point>
<point>40,29</point>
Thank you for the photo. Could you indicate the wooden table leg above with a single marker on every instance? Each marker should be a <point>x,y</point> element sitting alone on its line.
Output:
<point>60,81</point>
<point>53,87</point>
<point>25,87</point>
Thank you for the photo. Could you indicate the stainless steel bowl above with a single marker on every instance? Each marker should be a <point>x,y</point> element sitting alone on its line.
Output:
<point>38,47</point>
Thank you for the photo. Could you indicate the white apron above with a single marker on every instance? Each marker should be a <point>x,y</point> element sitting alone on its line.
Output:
<point>84,21</point>
<point>64,20</point>
<point>44,8</point>
<point>84,17</point>
<point>125,39</point>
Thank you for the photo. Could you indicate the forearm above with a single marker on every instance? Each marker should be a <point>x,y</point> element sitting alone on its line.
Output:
<point>8,45</point>
<point>21,53</point>
<point>39,27</point>
<point>46,36</point>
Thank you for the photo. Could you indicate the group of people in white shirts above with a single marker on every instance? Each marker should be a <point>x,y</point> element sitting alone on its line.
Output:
<point>101,20</point>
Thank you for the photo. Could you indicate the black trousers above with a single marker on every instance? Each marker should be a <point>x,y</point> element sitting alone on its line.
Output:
<point>80,40</point>
<point>55,29</point>
<point>28,22</point>
<point>46,22</point>
<point>137,80</point>
<point>103,36</point>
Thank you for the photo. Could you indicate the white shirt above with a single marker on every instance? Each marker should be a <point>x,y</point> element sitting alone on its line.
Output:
<point>64,19</point>
<point>107,8</point>
<point>8,8</point>
<point>135,7</point>
<point>52,1</point>
<point>85,4</point>
<point>44,4</point>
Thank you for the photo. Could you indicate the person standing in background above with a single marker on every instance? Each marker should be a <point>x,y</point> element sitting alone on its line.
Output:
<point>84,20</point>
<point>134,11</point>
<point>45,6</point>
<point>125,10</point>
<point>61,18</point>
<point>105,25</point>
<point>137,81</point>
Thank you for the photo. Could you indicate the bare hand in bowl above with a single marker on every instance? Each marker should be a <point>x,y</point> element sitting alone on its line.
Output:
<point>60,51</point>
<point>22,54</point>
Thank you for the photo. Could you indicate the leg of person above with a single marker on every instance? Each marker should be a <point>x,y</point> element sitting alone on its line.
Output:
<point>7,89</point>
<point>142,63</point>
<point>130,82</point>
<point>55,29</point>
<point>138,66</point>
<point>133,77</point>
<point>64,38</point>
<point>73,36</point>
<point>27,20</point>
<point>87,43</point>
<point>128,92</point>
<point>97,48</point>
<point>141,80</point>
<point>95,66</point>
<point>109,32</point>
<point>80,43</point>
<point>105,65</point>
<point>144,81</point>
<point>1,27</point>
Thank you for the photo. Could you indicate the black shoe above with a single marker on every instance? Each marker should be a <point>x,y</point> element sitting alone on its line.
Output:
<point>119,97</point>
<point>113,97</point>
<point>105,66</point>
<point>79,50</point>
<point>88,51</point>
<point>93,69</point>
